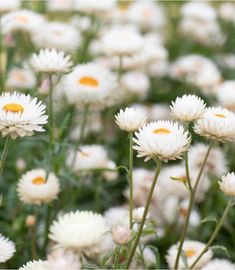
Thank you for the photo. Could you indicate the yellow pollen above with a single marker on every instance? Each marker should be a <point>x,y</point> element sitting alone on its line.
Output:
<point>84,154</point>
<point>88,81</point>
<point>219,115</point>
<point>190,252</point>
<point>13,107</point>
<point>39,180</point>
<point>22,19</point>
<point>162,131</point>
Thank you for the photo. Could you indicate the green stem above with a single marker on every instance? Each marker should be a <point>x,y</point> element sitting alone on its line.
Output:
<point>116,259</point>
<point>146,209</point>
<point>47,225</point>
<point>4,154</point>
<point>215,233</point>
<point>187,171</point>
<point>131,178</point>
<point>191,203</point>
<point>51,112</point>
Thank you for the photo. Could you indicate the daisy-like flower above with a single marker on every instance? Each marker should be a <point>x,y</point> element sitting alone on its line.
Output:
<point>216,123</point>
<point>130,119</point>
<point>192,250</point>
<point>227,184</point>
<point>34,188</point>
<point>219,264</point>
<point>35,265</point>
<point>226,94</point>
<point>21,115</point>
<point>164,140</point>
<point>94,7</point>
<point>7,249</point>
<point>123,41</point>
<point>91,84</point>
<point>188,108</point>
<point>78,230</point>
<point>20,78</point>
<point>51,61</point>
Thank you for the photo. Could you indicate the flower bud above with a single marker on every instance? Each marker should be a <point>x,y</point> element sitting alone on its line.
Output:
<point>30,221</point>
<point>121,235</point>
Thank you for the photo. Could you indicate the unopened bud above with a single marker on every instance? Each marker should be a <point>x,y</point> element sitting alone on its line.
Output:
<point>30,221</point>
<point>121,235</point>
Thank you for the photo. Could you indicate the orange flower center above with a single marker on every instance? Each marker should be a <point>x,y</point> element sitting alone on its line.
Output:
<point>22,19</point>
<point>190,252</point>
<point>219,115</point>
<point>162,131</point>
<point>19,76</point>
<point>13,107</point>
<point>88,81</point>
<point>39,180</point>
<point>84,154</point>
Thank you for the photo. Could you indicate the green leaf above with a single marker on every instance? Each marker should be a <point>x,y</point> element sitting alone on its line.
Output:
<point>221,248</point>
<point>157,256</point>
<point>106,257</point>
<point>209,219</point>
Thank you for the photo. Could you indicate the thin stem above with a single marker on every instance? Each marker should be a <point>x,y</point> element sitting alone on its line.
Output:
<point>187,172</point>
<point>131,178</point>
<point>4,154</point>
<point>116,259</point>
<point>146,209</point>
<point>51,112</point>
<point>33,243</point>
<point>47,224</point>
<point>191,203</point>
<point>215,233</point>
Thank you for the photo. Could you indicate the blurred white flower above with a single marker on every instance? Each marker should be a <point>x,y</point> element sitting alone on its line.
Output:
<point>34,188</point>
<point>227,184</point>
<point>7,248</point>
<point>35,265</point>
<point>227,11</point>
<point>192,250</point>
<point>219,264</point>
<point>226,94</point>
<point>163,140</point>
<point>51,61</point>
<point>60,5</point>
<point>20,115</point>
<point>188,108</point>
<point>130,119</point>
<point>199,10</point>
<point>117,216</point>
<point>9,5</point>
<point>20,78</point>
<point>217,123</point>
<point>92,7</point>
<point>79,230</point>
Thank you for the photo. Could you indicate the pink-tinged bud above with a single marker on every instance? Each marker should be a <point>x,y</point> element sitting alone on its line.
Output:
<point>44,87</point>
<point>20,164</point>
<point>30,221</point>
<point>121,235</point>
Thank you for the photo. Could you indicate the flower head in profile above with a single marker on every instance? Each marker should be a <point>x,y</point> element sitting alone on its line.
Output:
<point>165,140</point>
<point>21,115</point>
<point>7,249</point>
<point>188,108</point>
<point>35,265</point>
<point>51,61</point>
<point>227,184</point>
<point>130,119</point>
<point>216,123</point>
<point>219,264</point>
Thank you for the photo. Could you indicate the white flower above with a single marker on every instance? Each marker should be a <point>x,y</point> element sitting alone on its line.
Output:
<point>188,108</point>
<point>35,265</point>
<point>226,94</point>
<point>91,84</point>
<point>217,123</point>
<point>95,7</point>
<point>60,5</point>
<point>123,41</point>
<point>216,163</point>
<point>121,234</point>
<point>34,188</point>
<point>227,11</point>
<point>10,5</point>
<point>192,250</point>
<point>60,258</point>
<point>117,216</point>
<point>22,20</point>
<point>130,119</point>
<point>20,115</point>
<point>20,78</point>
<point>57,35</point>
<point>7,249</point>
<point>219,264</point>
<point>164,140</point>
<point>227,184</point>
<point>51,61</point>
<point>78,230</point>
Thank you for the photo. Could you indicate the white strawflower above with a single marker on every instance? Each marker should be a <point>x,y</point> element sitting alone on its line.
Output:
<point>51,61</point>
<point>117,216</point>
<point>192,250</point>
<point>22,20</point>
<point>164,140</point>
<point>188,108</point>
<point>60,36</point>
<point>7,249</point>
<point>78,230</point>
<point>219,264</point>
<point>95,7</point>
<point>226,94</point>
<point>20,78</point>
<point>35,265</point>
<point>10,5</point>
<point>121,234</point>
<point>130,119</point>
<point>21,115</point>
<point>216,123</point>
<point>199,10</point>
<point>123,41</point>
<point>227,184</point>
<point>34,188</point>
<point>91,84</point>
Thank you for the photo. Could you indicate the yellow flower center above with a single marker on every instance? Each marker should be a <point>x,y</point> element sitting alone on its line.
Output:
<point>13,107</point>
<point>22,19</point>
<point>84,154</point>
<point>19,76</point>
<point>162,131</point>
<point>39,180</point>
<point>219,115</point>
<point>190,252</point>
<point>88,81</point>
